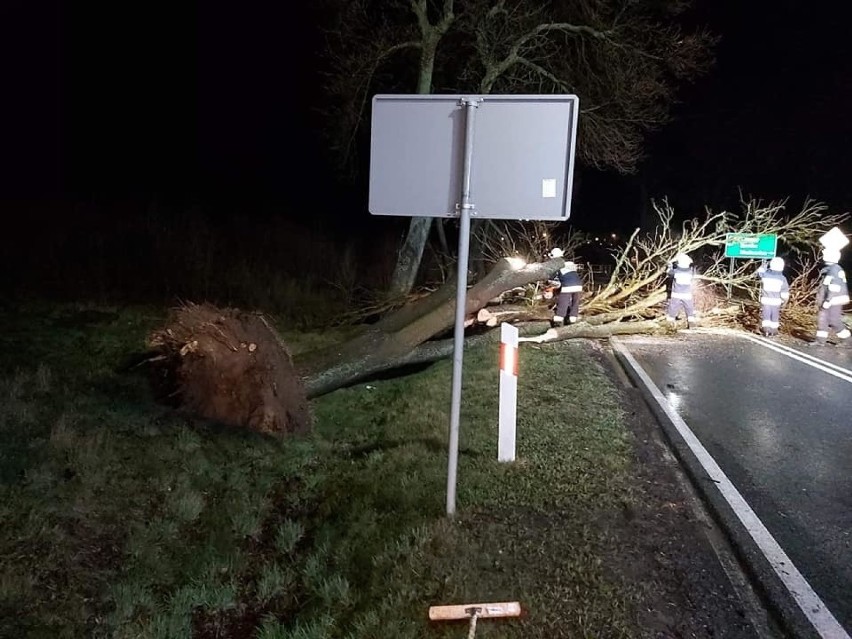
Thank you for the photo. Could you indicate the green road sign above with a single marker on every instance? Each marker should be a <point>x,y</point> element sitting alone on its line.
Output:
<point>750,245</point>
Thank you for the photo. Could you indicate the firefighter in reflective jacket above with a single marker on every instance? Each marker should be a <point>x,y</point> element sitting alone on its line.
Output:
<point>681,275</point>
<point>568,302</point>
<point>774,291</point>
<point>832,295</point>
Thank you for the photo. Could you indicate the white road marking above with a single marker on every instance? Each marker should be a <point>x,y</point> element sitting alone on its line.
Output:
<point>808,601</point>
<point>832,369</point>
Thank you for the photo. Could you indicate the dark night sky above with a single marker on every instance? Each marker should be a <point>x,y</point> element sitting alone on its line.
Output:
<point>118,98</point>
<point>773,116</point>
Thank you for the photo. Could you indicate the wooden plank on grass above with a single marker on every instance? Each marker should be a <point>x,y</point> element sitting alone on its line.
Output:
<point>486,610</point>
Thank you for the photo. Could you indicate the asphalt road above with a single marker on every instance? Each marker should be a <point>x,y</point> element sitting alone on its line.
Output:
<point>781,430</point>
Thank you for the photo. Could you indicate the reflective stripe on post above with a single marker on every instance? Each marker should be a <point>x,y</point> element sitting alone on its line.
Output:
<point>508,392</point>
<point>509,357</point>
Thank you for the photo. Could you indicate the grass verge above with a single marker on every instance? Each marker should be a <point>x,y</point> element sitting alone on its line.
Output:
<point>124,519</point>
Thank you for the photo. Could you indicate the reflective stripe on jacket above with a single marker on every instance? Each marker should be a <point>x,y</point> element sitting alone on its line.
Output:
<point>570,281</point>
<point>774,288</point>
<point>681,282</point>
<point>833,288</point>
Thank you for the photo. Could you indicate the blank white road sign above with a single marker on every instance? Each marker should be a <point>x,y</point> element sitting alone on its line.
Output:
<point>522,164</point>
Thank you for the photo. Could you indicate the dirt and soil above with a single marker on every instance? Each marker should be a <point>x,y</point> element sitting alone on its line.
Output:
<point>229,366</point>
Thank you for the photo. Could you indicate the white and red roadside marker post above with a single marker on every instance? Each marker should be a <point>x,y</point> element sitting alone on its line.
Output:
<point>508,392</point>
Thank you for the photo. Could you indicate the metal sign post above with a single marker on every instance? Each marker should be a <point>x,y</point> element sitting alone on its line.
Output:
<point>422,164</point>
<point>461,301</point>
<point>730,277</point>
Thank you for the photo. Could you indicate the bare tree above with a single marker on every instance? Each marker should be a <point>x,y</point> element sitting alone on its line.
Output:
<point>375,44</point>
<point>623,58</point>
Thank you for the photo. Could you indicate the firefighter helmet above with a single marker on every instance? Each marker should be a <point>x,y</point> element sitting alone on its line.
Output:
<point>831,256</point>
<point>683,260</point>
<point>556,252</point>
<point>776,264</point>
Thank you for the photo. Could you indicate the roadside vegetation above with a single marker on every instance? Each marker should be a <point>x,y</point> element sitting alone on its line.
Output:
<point>122,518</point>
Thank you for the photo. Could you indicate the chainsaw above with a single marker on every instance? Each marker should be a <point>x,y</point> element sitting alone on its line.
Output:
<point>548,291</point>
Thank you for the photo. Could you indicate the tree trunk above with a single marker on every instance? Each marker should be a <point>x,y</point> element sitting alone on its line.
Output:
<point>494,315</point>
<point>478,264</point>
<point>403,338</point>
<point>411,252</point>
<point>409,257</point>
<point>599,331</point>
<point>355,369</point>
<point>406,329</point>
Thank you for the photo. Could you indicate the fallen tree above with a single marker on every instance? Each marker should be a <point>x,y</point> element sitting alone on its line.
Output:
<point>630,301</point>
<point>396,336</point>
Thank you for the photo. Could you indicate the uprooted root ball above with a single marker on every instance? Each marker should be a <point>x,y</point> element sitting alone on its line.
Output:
<point>229,366</point>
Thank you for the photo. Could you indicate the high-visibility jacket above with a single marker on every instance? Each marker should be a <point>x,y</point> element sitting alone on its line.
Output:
<point>570,281</point>
<point>774,288</point>
<point>681,282</point>
<point>833,287</point>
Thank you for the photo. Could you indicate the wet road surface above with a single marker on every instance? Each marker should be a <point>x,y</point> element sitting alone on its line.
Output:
<point>781,430</point>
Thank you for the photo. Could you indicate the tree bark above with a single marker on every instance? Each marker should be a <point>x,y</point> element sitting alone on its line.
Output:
<point>477,255</point>
<point>404,337</point>
<point>411,252</point>
<point>599,331</point>
<point>409,257</point>
<point>406,329</point>
<point>494,315</point>
<point>355,369</point>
